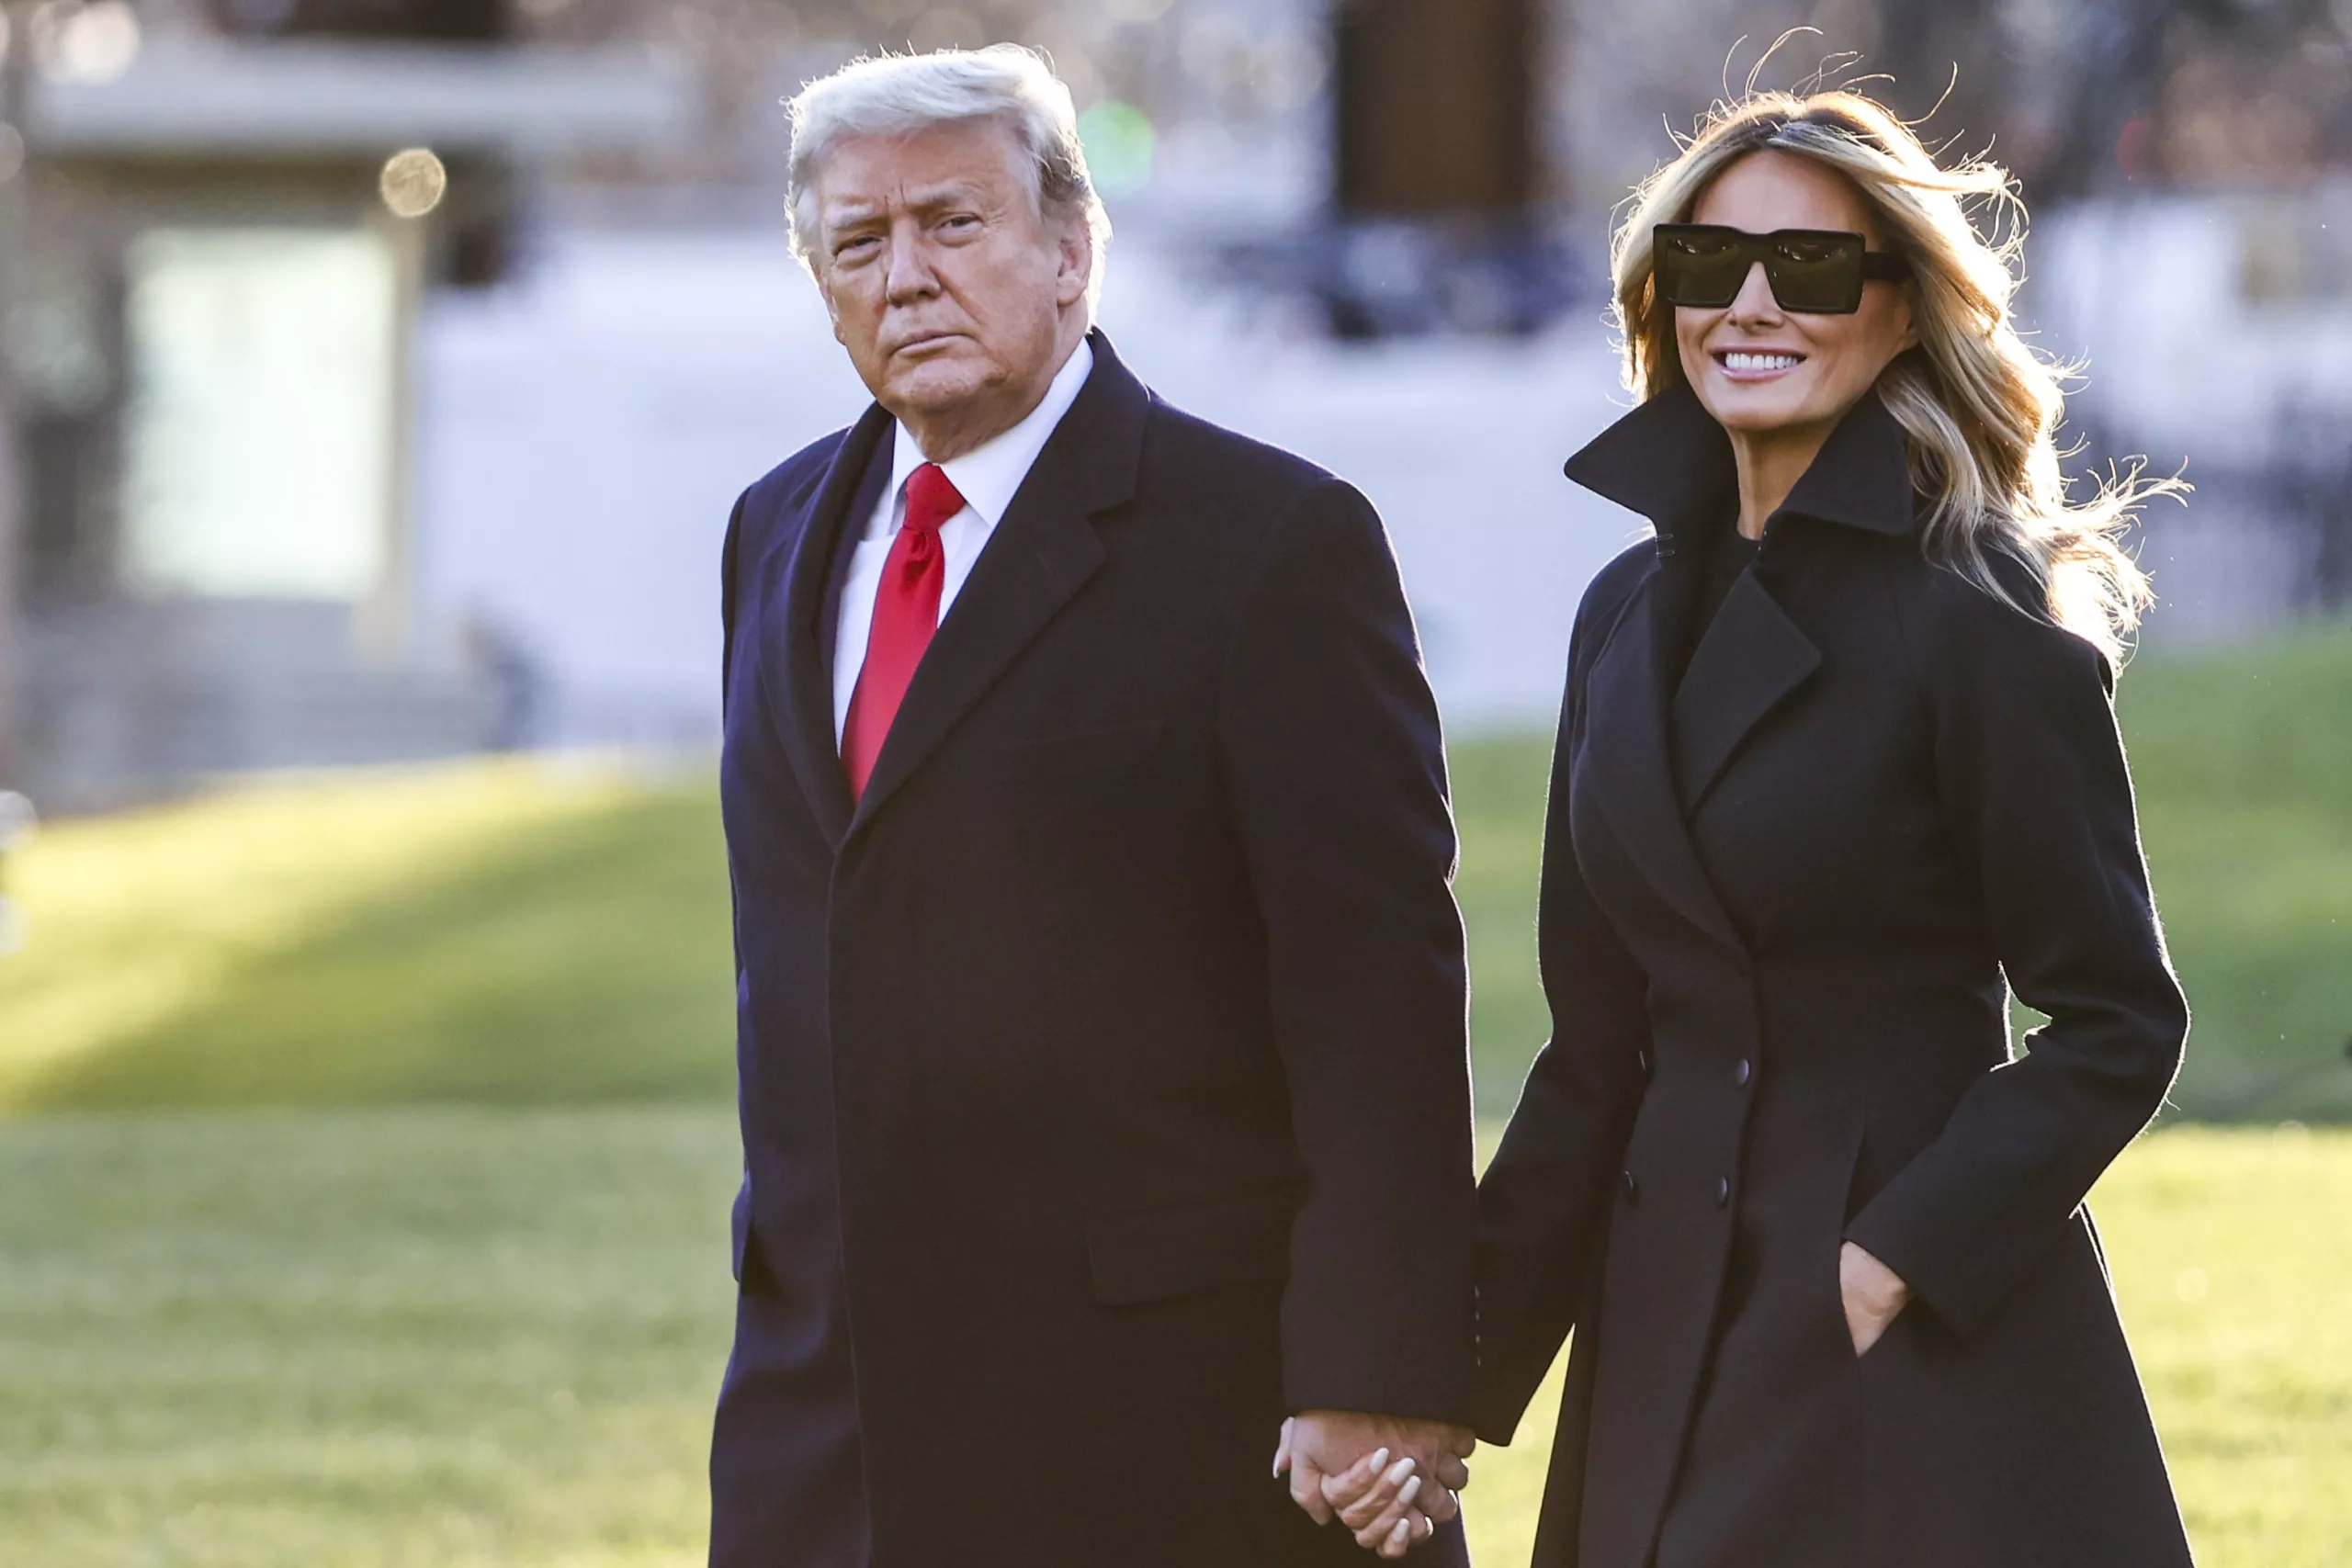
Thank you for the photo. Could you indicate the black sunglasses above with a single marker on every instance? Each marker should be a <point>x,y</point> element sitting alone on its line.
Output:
<point>1817,271</point>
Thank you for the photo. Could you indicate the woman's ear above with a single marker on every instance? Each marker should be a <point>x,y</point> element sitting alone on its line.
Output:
<point>1910,338</point>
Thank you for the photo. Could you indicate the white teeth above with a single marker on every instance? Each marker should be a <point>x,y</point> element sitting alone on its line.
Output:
<point>1737,361</point>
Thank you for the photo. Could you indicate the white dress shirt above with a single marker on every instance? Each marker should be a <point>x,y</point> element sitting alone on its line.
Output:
<point>988,477</point>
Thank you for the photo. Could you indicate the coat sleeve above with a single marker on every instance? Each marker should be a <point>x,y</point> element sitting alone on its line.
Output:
<point>1545,1201</point>
<point>1335,776</point>
<point>739,1219</point>
<point>2030,770</point>
<point>729,551</point>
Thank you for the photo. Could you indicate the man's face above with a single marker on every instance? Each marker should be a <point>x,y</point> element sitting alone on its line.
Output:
<point>950,291</point>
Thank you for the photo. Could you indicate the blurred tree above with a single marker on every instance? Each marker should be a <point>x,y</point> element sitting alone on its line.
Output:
<point>15,83</point>
<point>2310,489</point>
<point>1438,174</point>
<point>2093,94</point>
<point>1436,107</point>
<point>463,21</point>
<point>2097,133</point>
<point>2078,98</point>
<point>1952,60</point>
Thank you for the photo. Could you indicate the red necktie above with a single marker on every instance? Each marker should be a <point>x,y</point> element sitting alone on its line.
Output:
<point>905,612</point>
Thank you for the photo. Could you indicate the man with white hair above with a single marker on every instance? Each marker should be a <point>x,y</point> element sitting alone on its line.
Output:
<point>1100,992</point>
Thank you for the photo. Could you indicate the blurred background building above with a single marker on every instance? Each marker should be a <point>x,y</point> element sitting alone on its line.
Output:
<point>380,372</point>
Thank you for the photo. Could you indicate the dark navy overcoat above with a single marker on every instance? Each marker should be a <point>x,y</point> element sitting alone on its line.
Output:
<point>1782,894</point>
<point>1103,1071</point>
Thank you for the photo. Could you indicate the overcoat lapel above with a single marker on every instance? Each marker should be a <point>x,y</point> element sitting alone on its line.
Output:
<point>1752,658</point>
<point>1654,750</point>
<point>1754,655</point>
<point>1041,554</point>
<point>792,658</point>
<point>1626,752</point>
<point>1659,461</point>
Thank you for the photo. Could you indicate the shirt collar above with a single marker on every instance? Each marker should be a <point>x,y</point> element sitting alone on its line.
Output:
<point>1671,462</point>
<point>990,475</point>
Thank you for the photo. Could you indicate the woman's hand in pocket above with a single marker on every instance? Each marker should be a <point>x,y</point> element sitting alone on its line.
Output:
<point>1873,1293</point>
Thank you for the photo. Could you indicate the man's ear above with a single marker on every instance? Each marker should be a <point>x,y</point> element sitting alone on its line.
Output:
<point>1077,260</point>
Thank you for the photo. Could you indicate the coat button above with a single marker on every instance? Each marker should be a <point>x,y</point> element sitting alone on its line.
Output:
<point>1742,1073</point>
<point>1633,1188</point>
<point>1722,1192</point>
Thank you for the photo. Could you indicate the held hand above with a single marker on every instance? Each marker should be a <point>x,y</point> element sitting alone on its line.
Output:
<point>1874,1296</point>
<point>1378,1499</point>
<point>1390,1481</point>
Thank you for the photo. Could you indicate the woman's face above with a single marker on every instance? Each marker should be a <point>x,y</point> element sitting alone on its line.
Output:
<point>1763,371</point>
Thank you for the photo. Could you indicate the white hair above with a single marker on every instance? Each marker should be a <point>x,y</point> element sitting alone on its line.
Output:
<point>899,95</point>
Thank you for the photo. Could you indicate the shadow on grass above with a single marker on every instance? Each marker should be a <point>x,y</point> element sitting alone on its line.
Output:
<point>585,959</point>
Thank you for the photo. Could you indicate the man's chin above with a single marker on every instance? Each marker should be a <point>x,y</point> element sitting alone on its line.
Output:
<point>938,385</point>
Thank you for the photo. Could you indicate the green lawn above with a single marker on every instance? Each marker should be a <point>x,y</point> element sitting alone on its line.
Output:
<point>2244,766</point>
<point>524,931</point>
<point>461,1298</point>
<point>490,1338</point>
<point>432,1338</point>
<point>485,932</point>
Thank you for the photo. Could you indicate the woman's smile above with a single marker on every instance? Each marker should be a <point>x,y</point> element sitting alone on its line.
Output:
<point>1756,364</point>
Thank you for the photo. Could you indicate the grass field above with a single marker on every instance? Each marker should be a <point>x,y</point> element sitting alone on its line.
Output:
<point>364,1152</point>
<point>396,1339</point>
<point>490,1338</point>
<point>2244,766</point>
<point>487,933</point>
<point>526,932</point>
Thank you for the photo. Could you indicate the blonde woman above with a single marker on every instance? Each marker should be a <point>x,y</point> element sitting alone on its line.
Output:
<point>1837,758</point>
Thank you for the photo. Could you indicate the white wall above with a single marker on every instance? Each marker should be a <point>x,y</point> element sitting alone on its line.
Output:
<point>583,433</point>
<point>2183,367</point>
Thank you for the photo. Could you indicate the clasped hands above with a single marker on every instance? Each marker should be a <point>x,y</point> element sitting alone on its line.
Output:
<point>1393,1481</point>
<point>1389,1480</point>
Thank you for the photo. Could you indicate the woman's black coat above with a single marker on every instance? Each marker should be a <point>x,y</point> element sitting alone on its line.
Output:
<point>1779,902</point>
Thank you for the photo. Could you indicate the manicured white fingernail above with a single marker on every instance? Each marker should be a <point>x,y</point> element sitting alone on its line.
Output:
<point>1412,1489</point>
<point>1401,1469</point>
<point>1402,1533</point>
<point>1379,1458</point>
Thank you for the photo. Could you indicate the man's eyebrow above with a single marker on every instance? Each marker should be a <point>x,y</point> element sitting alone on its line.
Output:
<point>851,213</point>
<point>953,192</point>
<point>845,213</point>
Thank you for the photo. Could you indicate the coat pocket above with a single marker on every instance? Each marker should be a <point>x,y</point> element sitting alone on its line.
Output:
<point>1849,1176</point>
<point>1161,1254</point>
<point>1082,751</point>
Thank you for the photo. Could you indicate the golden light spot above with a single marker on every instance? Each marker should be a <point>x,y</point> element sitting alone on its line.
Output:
<point>414,182</point>
<point>96,43</point>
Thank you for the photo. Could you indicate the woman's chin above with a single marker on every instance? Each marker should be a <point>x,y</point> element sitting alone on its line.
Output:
<point>1752,408</point>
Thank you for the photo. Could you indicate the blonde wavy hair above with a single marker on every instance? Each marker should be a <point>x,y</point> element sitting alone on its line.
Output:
<point>1981,409</point>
